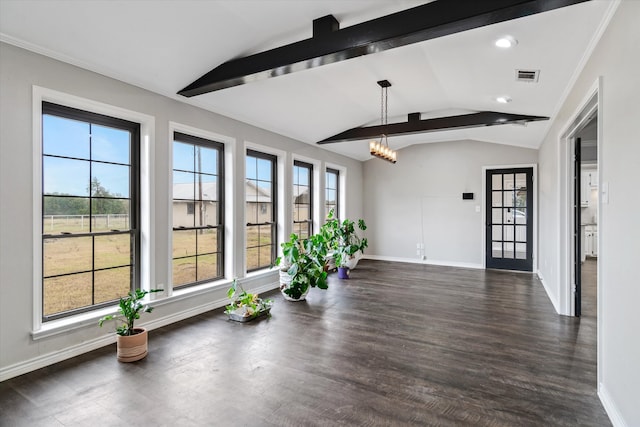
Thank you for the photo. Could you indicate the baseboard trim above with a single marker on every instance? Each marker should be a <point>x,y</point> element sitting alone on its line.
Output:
<point>553,300</point>
<point>55,357</point>
<point>609,406</point>
<point>44,360</point>
<point>426,262</point>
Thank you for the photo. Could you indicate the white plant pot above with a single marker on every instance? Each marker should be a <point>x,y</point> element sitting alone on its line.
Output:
<point>352,262</point>
<point>285,283</point>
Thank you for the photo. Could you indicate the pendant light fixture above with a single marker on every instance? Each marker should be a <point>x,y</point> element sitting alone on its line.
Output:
<point>381,148</point>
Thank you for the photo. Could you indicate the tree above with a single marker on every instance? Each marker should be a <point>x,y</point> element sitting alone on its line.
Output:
<point>104,202</point>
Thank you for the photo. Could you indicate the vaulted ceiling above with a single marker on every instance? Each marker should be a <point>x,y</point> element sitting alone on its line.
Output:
<point>165,45</point>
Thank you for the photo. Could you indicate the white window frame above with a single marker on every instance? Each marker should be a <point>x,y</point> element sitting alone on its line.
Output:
<point>42,329</point>
<point>230,144</point>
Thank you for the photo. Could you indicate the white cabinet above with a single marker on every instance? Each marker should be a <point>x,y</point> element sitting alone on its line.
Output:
<point>592,178</point>
<point>591,240</point>
<point>588,182</point>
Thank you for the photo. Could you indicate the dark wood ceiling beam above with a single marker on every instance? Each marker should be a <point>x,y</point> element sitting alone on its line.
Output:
<point>331,44</point>
<point>415,125</point>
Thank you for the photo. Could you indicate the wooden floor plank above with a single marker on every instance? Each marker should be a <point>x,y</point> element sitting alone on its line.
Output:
<point>396,344</point>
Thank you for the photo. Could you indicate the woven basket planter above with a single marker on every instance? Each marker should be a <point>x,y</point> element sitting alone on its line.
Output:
<point>132,347</point>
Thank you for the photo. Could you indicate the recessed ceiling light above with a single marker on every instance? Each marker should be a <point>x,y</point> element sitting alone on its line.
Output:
<point>503,99</point>
<point>506,42</point>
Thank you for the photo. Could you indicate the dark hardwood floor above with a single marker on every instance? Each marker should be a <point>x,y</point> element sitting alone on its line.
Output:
<point>397,344</point>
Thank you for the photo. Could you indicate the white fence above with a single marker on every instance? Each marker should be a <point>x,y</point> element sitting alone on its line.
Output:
<point>53,223</point>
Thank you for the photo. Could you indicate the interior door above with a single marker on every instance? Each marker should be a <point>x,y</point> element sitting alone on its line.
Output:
<point>577,256</point>
<point>509,216</point>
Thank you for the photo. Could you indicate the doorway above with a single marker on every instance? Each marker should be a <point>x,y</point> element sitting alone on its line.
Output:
<point>586,217</point>
<point>509,214</point>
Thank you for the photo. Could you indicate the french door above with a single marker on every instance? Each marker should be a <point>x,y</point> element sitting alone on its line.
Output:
<point>509,216</point>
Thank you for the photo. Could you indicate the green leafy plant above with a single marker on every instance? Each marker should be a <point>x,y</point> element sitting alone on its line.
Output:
<point>246,303</point>
<point>130,308</point>
<point>342,240</point>
<point>303,260</point>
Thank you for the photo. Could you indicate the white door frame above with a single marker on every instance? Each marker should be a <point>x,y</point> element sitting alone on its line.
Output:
<point>591,104</point>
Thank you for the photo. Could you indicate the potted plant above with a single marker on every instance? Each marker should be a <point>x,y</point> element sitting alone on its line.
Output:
<point>343,243</point>
<point>131,340</point>
<point>302,266</point>
<point>245,306</point>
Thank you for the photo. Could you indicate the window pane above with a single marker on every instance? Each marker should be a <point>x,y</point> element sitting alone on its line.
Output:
<point>65,137</point>
<point>206,214</point>
<point>109,180</point>
<point>183,213</point>
<point>184,243</point>
<point>496,198</point>
<point>110,144</point>
<point>109,214</point>
<point>66,255</point>
<point>496,249</point>
<point>509,182</point>
<point>509,250</point>
<point>251,167</point>
<point>184,271</point>
<point>496,182</point>
<point>207,162</point>
<point>112,284</point>
<point>253,258</point>
<point>332,180</point>
<point>207,267</point>
<point>184,185</point>
<point>508,198</point>
<point>496,216</point>
<point>66,293</point>
<point>496,232</point>
<point>521,181</point>
<point>521,250</point>
<point>206,187</point>
<point>183,156</point>
<point>112,251</point>
<point>521,233</point>
<point>65,215</point>
<point>265,256</point>
<point>264,170</point>
<point>253,236</point>
<point>65,176</point>
<point>331,197</point>
<point>207,241</point>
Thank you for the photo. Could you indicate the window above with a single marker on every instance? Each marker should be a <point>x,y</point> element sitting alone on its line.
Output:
<point>198,199</point>
<point>90,231</point>
<point>260,209</point>
<point>302,196</point>
<point>332,192</point>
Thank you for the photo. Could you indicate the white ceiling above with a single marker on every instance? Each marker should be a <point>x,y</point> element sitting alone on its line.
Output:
<point>165,45</point>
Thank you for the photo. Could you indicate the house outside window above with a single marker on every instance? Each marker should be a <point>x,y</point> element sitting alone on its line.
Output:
<point>198,204</point>
<point>260,209</point>
<point>302,197</point>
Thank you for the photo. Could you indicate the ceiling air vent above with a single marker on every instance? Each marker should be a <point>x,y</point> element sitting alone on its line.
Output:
<point>529,76</point>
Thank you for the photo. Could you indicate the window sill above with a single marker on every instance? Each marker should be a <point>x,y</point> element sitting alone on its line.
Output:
<point>61,326</point>
<point>90,319</point>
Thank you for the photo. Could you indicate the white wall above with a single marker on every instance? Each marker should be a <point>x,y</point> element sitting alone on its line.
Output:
<point>419,200</point>
<point>616,59</point>
<point>19,71</point>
